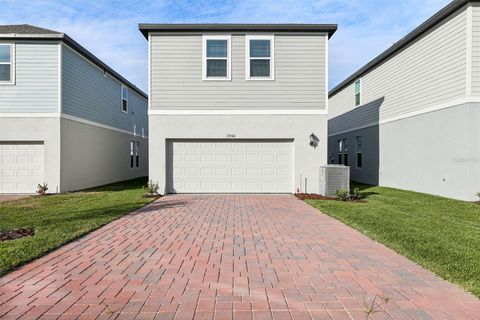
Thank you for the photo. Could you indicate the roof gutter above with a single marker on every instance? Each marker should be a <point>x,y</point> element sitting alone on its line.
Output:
<point>146,28</point>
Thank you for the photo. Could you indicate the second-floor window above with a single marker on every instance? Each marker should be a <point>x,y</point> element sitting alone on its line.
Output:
<point>124,99</point>
<point>358,91</point>
<point>216,57</point>
<point>259,57</point>
<point>6,63</point>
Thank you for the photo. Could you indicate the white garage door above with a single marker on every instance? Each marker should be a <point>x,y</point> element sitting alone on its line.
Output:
<point>225,166</point>
<point>21,167</point>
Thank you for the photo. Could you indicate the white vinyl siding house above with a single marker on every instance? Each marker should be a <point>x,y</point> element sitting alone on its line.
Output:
<point>232,107</point>
<point>410,139</point>
<point>60,119</point>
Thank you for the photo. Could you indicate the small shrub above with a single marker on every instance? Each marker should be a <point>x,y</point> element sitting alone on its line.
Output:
<point>342,194</point>
<point>151,188</point>
<point>478,195</point>
<point>356,194</point>
<point>42,188</point>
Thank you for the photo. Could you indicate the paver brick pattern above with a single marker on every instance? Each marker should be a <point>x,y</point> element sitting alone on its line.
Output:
<point>227,257</point>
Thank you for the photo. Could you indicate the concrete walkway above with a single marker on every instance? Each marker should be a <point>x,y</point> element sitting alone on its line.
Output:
<point>227,257</point>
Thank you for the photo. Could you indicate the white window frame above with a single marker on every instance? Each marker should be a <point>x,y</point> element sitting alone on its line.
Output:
<point>229,57</point>
<point>359,93</point>
<point>11,63</point>
<point>272,57</point>
<point>123,98</point>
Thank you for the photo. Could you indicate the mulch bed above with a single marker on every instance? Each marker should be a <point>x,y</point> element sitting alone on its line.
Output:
<point>157,196</point>
<point>312,196</point>
<point>6,235</point>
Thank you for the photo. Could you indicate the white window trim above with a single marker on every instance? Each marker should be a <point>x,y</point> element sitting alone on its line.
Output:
<point>11,63</point>
<point>355,95</point>
<point>272,57</point>
<point>229,57</point>
<point>122,98</point>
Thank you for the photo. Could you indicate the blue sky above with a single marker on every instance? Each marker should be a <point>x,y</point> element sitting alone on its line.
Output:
<point>109,28</point>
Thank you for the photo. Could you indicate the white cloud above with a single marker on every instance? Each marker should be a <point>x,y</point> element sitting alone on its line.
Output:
<point>109,28</point>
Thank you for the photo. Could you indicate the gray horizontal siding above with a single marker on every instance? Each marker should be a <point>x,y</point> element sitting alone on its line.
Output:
<point>88,94</point>
<point>36,79</point>
<point>176,75</point>
<point>476,50</point>
<point>429,72</point>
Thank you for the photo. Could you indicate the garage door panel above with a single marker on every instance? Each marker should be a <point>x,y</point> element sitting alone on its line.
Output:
<point>229,166</point>
<point>21,166</point>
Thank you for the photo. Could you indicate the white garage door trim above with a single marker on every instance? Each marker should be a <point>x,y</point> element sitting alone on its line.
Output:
<point>230,166</point>
<point>21,166</point>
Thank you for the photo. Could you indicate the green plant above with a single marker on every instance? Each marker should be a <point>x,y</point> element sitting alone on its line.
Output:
<point>356,194</point>
<point>478,195</point>
<point>151,188</point>
<point>42,188</point>
<point>342,194</point>
<point>370,309</point>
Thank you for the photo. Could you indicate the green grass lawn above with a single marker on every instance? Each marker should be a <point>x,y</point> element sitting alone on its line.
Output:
<point>60,218</point>
<point>442,235</point>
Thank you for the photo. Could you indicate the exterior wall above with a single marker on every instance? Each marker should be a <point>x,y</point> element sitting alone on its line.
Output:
<point>428,72</point>
<point>426,153</point>
<point>36,129</point>
<point>476,49</point>
<point>93,156</point>
<point>88,94</point>
<point>432,153</point>
<point>369,172</point>
<point>36,79</point>
<point>176,75</point>
<point>307,160</point>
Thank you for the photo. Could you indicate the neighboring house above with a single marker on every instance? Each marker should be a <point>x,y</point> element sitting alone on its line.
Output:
<point>66,118</point>
<point>410,118</point>
<point>236,107</point>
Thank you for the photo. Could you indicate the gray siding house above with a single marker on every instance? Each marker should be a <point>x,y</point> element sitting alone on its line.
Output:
<point>237,108</point>
<point>66,118</point>
<point>410,118</point>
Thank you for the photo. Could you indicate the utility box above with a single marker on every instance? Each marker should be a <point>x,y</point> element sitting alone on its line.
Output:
<point>332,178</point>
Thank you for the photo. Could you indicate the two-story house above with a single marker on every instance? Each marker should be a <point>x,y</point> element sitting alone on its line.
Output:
<point>410,118</point>
<point>237,107</point>
<point>66,118</point>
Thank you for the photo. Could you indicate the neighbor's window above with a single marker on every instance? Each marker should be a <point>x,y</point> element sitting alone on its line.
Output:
<point>359,152</point>
<point>132,151</point>
<point>358,89</point>
<point>124,99</point>
<point>345,151</point>
<point>137,154</point>
<point>260,57</point>
<point>216,57</point>
<point>6,63</point>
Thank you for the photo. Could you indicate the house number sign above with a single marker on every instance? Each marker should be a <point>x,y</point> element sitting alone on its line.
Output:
<point>230,135</point>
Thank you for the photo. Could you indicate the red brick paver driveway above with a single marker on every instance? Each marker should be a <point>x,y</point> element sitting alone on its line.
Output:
<point>224,257</point>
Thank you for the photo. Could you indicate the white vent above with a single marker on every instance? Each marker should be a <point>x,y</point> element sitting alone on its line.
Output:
<point>333,178</point>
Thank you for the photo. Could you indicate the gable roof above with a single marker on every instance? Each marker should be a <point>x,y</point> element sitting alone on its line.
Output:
<point>29,32</point>
<point>145,28</point>
<point>402,43</point>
